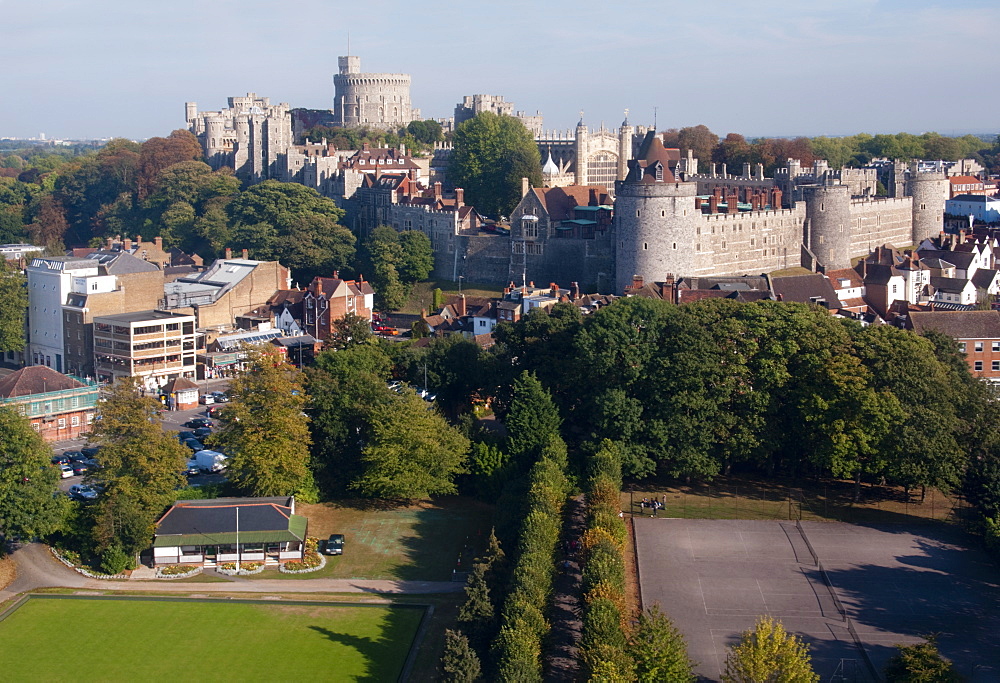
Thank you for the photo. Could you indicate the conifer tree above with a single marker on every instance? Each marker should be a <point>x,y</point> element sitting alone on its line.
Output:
<point>459,663</point>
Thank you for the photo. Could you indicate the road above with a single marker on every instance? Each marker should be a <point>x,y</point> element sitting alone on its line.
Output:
<point>36,568</point>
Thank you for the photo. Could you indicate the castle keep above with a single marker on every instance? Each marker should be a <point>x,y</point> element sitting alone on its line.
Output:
<point>374,100</point>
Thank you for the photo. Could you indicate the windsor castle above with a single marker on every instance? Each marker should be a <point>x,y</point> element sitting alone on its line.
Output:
<point>616,206</point>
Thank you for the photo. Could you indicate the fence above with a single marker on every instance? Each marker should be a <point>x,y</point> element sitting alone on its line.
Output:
<point>755,500</point>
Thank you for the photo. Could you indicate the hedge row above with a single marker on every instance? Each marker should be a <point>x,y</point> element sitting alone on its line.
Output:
<point>518,645</point>
<point>604,641</point>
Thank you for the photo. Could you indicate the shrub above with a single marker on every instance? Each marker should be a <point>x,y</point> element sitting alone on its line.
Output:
<point>114,560</point>
<point>175,569</point>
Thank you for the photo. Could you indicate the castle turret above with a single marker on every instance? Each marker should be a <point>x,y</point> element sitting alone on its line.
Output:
<point>930,192</point>
<point>190,112</point>
<point>828,224</point>
<point>655,219</point>
<point>625,134</point>
<point>580,147</point>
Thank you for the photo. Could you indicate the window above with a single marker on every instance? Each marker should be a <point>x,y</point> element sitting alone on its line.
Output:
<point>75,420</point>
<point>996,366</point>
<point>979,346</point>
<point>961,346</point>
<point>996,346</point>
<point>978,366</point>
<point>62,423</point>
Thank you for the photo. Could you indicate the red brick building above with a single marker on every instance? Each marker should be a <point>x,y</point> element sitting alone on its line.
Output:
<point>59,406</point>
<point>977,334</point>
<point>328,299</point>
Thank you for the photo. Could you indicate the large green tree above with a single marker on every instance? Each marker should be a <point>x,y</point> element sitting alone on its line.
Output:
<point>383,258</point>
<point>29,505</point>
<point>533,420</point>
<point>141,467</point>
<point>264,430</point>
<point>491,154</point>
<point>413,452</point>
<point>658,649</point>
<point>13,307</point>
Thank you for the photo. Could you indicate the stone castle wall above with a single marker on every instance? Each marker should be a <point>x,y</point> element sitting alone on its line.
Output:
<point>748,243</point>
<point>380,100</point>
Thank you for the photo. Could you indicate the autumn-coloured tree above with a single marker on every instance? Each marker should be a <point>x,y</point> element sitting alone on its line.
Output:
<point>159,153</point>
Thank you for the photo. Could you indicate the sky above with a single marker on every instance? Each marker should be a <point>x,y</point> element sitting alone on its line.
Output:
<point>78,69</point>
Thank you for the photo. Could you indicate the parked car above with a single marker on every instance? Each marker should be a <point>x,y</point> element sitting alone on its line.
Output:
<point>220,396</point>
<point>197,422</point>
<point>90,451</point>
<point>192,468</point>
<point>65,471</point>
<point>213,411</point>
<point>60,460</point>
<point>333,545</point>
<point>202,432</point>
<point>184,436</point>
<point>82,492</point>
<point>74,456</point>
<point>206,399</point>
<point>79,468</point>
<point>193,444</point>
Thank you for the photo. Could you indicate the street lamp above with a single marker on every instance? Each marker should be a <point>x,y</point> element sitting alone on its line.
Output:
<point>460,278</point>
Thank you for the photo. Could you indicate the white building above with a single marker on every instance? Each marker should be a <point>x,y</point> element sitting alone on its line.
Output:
<point>985,209</point>
<point>50,281</point>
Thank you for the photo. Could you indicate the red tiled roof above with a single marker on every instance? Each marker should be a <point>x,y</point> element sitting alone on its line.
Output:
<point>559,202</point>
<point>35,379</point>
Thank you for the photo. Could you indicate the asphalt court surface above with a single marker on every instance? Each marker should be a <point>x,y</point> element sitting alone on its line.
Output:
<point>895,583</point>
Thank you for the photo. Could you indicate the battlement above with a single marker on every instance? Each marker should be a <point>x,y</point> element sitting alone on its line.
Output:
<point>749,215</point>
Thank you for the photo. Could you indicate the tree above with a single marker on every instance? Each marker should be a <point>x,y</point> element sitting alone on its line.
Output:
<point>29,506</point>
<point>658,649</point>
<point>768,653</point>
<point>477,614</point>
<point>383,256</point>
<point>427,132</point>
<point>920,663</point>
<point>491,154</point>
<point>700,140</point>
<point>418,256</point>
<point>13,307</point>
<point>413,452</point>
<point>141,467</point>
<point>159,153</point>
<point>532,420</point>
<point>351,330</point>
<point>459,663</point>
<point>264,431</point>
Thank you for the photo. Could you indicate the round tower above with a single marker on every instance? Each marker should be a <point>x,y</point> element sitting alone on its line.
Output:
<point>655,220</point>
<point>215,128</point>
<point>828,216</point>
<point>580,148</point>
<point>929,192</point>
<point>625,134</point>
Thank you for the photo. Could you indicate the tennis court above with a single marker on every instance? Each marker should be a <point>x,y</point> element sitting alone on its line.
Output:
<point>851,591</point>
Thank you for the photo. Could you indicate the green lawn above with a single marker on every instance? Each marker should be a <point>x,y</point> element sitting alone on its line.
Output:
<point>158,640</point>
<point>419,542</point>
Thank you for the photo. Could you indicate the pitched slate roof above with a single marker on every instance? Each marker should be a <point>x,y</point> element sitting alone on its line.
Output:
<point>211,522</point>
<point>958,324</point>
<point>961,259</point>
<point>35,379</point>
<point>984,277</point>
<point>949,284</point>
<point>806,289</point>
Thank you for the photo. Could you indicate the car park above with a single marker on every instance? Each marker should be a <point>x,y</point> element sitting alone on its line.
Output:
<point>206,399</point>
<point>82,492</point>
<point>197,422</point>
<point>65,471</point>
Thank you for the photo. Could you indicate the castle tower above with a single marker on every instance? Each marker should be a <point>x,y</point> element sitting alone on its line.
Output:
<point>828,224</point>
<point>930,192</point>
<point>655,219</point>
<point>379,100</point>
<point>190,112</point>
<point>580,147</point>
<point>625,134</point>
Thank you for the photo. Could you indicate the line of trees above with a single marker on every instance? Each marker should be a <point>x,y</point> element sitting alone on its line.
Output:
<point>734,149</point>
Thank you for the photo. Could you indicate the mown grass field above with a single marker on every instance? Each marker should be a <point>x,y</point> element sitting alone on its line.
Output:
<point>829,500</point>
<point>158,640</point>
<point>422,541</point>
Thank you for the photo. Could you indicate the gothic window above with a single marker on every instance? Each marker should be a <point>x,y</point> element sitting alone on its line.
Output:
<point>602,169</point>
<point>530,230</point>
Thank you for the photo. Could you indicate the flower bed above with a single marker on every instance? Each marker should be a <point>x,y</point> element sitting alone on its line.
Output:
<point>311,561</point>
<point>245,568</point>
<point>177,571</point>
<point>67,558</point>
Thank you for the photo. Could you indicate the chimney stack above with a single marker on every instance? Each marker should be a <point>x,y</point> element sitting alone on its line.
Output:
<point>524,186</point>
<point>245,255</point>
<point>437,190</point>
<point>713,204</point>
<point>127,245</point>
<point>459,198</point>
<point>553,289</point>
<point>574,290</point>
<point>158,241</point>
<point>229,253</point>
<point>461,306</point>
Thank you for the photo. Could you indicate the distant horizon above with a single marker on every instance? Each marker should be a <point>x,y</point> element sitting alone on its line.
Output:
<point>116,68</point>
